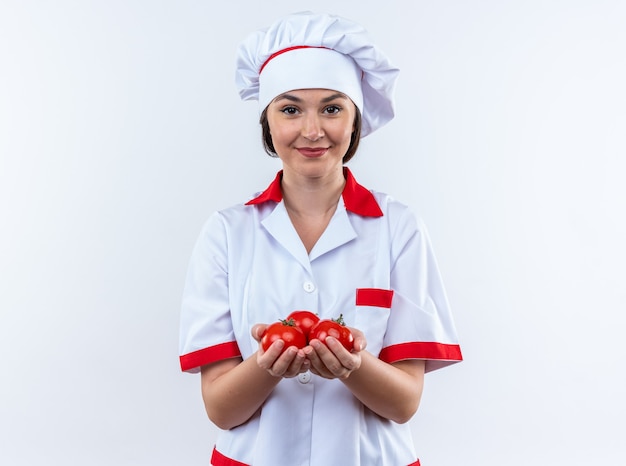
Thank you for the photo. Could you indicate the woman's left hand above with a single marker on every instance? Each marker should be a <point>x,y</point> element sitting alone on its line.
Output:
<point>331,360</point>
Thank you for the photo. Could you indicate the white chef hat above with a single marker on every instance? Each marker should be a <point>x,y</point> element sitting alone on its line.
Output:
<point>318,51</point>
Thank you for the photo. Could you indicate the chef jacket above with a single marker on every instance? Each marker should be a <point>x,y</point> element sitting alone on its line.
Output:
<point>374,264</point>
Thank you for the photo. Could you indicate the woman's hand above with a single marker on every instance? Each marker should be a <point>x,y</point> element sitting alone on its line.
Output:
<point>288,364</point>
<point>331,360</point>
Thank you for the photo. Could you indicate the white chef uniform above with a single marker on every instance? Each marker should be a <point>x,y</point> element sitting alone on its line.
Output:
<point>373,264</point>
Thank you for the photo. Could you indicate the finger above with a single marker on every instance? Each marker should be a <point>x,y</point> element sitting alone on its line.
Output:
<point>281,366</point>
<point>325,361</point>
<point>296,365</point>
<point>266,359</point>
<point>315,351</point>
<point>257,331</point>
<point>347,360</point>
<point>316,365</point>
<point>338,360</point>
<point>360,342</point>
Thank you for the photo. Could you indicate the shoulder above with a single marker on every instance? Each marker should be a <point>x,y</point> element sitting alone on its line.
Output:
<point>397,213</point>
<point>238,215</point>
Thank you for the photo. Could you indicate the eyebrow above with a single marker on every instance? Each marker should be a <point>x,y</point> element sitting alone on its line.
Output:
<point>293,98</point>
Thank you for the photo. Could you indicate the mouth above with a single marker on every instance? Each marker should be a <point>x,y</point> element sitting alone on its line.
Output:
<point>312,151</point>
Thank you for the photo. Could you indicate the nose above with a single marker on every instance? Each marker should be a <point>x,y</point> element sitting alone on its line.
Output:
<point>312,127</point>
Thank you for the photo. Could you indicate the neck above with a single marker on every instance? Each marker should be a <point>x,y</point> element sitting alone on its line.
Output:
<point>312,196</point>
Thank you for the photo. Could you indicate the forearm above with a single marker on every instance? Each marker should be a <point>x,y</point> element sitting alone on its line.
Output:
<point>391,391</point>
<point>233,392</point>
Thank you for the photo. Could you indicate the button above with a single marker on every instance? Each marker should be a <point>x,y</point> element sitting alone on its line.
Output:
<point>304,377</point>
<point>309,287</point>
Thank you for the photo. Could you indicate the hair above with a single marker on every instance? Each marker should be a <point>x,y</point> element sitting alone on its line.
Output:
<point>355,138</point>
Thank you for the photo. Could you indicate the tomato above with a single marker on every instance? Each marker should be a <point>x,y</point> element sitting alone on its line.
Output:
<point>334,328</point>
<point>285,330</point>
<point>305,320</point>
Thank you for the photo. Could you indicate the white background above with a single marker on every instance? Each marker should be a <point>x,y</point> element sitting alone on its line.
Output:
<point>121,131</point>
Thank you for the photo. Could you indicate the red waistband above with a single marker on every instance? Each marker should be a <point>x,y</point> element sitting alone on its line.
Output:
<point>217,459</point>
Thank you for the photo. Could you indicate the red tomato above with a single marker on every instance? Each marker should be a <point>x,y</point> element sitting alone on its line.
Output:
<point>285,330</point>
<point>305,320</point>
<point>334,328</point>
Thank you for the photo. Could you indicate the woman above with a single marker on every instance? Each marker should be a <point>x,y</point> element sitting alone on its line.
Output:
<point>317,240</point>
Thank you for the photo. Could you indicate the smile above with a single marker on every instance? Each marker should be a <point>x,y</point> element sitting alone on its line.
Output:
<point>312,151</point>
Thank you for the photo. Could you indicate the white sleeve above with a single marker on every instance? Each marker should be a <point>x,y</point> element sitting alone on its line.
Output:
<point>420,323</point>
<point>206,329</point>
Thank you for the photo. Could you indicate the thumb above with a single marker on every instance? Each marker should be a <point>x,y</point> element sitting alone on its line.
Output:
<point>257,331</point>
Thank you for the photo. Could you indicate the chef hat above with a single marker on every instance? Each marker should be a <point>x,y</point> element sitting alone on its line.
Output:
<point>318,51</point>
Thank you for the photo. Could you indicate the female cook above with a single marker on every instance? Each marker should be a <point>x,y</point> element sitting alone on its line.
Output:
<point>317,240</point>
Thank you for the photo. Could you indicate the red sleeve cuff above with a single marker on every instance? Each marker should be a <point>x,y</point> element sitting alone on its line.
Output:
<point>421,350</point>
<point>208,355</point>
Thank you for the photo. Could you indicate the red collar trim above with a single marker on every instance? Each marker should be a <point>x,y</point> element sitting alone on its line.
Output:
<point>358,200</point>
<point>272,193</point>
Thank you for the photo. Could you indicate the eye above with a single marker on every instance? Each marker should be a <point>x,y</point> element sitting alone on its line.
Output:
<point>332,109</point>
<point>289,110</point>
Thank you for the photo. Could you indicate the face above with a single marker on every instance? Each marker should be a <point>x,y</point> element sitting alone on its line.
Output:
<point>311,130</point>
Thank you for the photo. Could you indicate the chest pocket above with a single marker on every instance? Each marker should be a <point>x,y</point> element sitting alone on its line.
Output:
<point>373,306</point>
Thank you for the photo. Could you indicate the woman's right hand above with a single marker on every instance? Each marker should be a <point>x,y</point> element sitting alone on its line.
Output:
<point>288,364</point>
